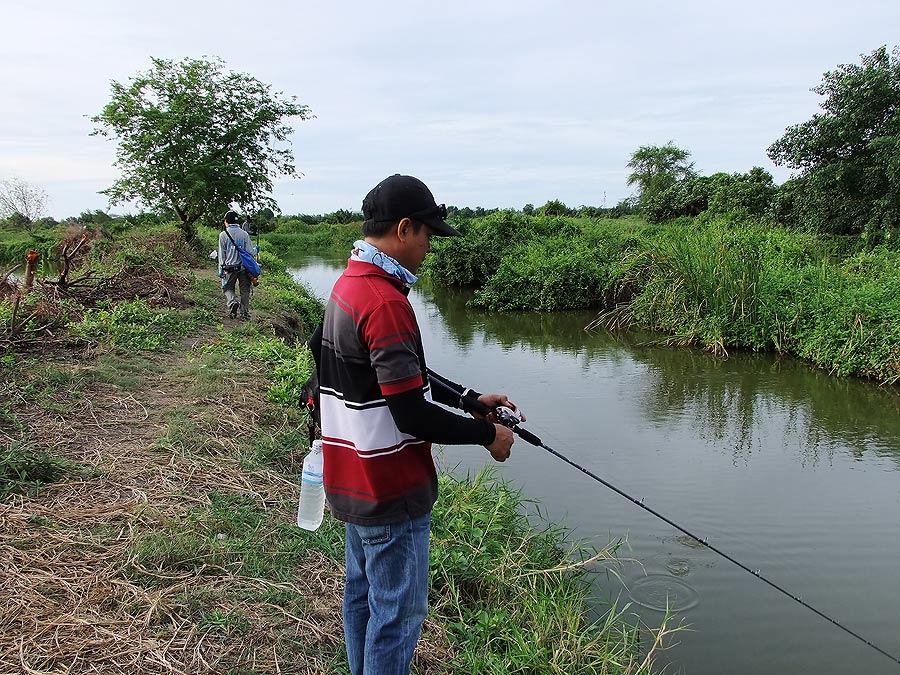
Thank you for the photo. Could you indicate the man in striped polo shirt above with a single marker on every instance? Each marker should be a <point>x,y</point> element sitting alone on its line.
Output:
<point>378,424</point>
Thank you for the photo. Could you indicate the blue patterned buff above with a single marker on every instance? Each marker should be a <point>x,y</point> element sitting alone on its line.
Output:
<point>366,252</point>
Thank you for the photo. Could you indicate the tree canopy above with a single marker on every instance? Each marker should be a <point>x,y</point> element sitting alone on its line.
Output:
<point>848,156</point>
<point>194,137</point>
<point>655,168</point>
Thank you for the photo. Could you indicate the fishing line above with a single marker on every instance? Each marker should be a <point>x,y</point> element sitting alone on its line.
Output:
<point>510,419</point>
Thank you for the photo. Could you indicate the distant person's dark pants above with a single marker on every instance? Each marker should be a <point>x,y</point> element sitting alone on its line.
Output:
<point>233,277</point>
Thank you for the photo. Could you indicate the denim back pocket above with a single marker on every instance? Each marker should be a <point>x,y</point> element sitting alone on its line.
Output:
<point>374,534</point>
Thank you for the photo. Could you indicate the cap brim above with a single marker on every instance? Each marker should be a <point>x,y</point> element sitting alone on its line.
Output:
<point>441,228</point>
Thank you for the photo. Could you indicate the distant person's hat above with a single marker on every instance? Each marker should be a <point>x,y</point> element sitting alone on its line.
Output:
<point>231,217</point>
<point>398,197</point>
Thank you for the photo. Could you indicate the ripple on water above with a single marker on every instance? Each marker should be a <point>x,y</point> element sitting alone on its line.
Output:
<point>678,568</point>
<point>663,592</point>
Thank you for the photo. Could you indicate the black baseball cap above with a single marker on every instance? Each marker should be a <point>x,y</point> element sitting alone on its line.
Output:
<point>398,197</point>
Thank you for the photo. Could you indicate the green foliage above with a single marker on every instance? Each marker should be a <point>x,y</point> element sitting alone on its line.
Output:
<point>746,195</point>
<point>294,236</point>
<point>847,318</point>
<point>688,197</point>
<point>554,207</point>
<point>16,242</point>
<point>655,168</point>
<point>288,377</point>
<point>207,238</point>
<point>23,470</point>
<point>719,281</point>
<point>471,260</point>
<point>718,286</point>
<point>133,326</point>
<point>532,262</point>
<point>556,273</point>
<point>194,138</point>
<point>848,156</point>
<point>290,365</point>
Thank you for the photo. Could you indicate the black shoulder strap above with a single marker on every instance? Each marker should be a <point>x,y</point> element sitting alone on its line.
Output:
<point>232,240</point>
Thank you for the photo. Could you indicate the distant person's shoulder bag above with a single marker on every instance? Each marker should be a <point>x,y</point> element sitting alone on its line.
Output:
<point>248,262</point>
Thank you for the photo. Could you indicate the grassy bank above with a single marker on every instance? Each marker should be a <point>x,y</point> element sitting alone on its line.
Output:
<point>718,283</point>
<point>148,494</point>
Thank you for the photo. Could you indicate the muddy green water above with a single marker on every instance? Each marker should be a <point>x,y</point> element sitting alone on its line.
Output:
<point>788,470</point>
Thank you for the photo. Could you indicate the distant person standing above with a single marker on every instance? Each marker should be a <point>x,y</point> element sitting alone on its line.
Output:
<point>230,269</point>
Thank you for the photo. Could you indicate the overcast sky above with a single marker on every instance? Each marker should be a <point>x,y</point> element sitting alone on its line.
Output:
<point>493,104</point>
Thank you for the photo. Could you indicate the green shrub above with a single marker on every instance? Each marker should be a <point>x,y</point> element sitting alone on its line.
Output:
<point>551,274</point>
<point>470,260</point>
<point>133,326</point>
<point>296,237</point>
<point>290,365</point>
<point>847,318</point>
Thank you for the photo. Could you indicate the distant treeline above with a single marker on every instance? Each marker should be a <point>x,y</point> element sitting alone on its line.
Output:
<point>299,223</point>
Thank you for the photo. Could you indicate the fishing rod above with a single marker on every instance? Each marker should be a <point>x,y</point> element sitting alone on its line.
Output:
<point>511,418</point>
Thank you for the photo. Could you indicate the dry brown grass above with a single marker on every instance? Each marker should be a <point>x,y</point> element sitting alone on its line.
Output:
<point>69,601</point>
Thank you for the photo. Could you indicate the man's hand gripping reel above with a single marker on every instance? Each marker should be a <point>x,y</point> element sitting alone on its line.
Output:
<point>507,417</point>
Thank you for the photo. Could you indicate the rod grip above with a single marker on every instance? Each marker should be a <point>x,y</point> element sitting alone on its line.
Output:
<point>475,405</point>
<point>527,436</point>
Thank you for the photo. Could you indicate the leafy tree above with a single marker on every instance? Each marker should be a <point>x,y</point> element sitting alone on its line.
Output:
<point>688,197</point>
<point>194,138</point>
<point>747,194</point>
<point>95,217</point>
<point>625,207</point>
<point>554,207</point>
<point>655,168</point>
<point>528,209</point>
<point>848,156</point>
<point>21,202</point>
<point>343,217</point>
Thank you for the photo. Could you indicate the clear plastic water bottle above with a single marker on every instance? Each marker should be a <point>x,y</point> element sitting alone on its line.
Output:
<point>312,490</point>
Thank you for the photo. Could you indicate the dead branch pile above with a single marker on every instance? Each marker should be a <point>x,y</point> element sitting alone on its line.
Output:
<point>37,319</point>
<point>146,281</point>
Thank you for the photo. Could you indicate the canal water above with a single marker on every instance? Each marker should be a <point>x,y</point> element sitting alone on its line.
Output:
<point>792,472</point>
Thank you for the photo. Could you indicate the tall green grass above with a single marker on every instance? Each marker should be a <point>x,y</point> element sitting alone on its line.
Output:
<point>513,596</point>
<point>698,285</point>
<point>766,288</point>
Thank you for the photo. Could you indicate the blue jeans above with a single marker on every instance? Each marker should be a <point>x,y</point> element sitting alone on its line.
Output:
<point>386,594</point>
